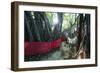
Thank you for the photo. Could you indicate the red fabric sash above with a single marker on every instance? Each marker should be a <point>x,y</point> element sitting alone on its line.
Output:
<point>34,48</point>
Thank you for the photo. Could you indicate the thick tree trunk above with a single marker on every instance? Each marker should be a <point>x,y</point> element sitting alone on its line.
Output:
<point>58,26</point>
<point>87,41</point>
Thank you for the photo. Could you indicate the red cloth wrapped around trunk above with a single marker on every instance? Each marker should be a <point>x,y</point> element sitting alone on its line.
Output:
<point>34,48</point>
